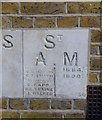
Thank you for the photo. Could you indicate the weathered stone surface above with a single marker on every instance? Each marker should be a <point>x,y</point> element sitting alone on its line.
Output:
<point>43,59</point>
<point>45,62</point>
<point>12,85</point>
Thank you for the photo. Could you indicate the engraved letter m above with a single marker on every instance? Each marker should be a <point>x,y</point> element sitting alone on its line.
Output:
<point>71,61</point>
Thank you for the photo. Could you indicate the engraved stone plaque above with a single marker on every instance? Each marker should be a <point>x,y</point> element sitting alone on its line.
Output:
<point>45,63</point>
<point>55,63</point>
<point>12,63</point>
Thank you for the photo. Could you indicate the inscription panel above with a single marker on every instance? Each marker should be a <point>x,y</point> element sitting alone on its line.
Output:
<point>39,82</point>
<point>12,63</point>
<point>56,63</point>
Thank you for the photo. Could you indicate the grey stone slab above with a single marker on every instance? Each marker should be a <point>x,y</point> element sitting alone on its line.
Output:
<point>12,73</point>
<point>60,53</point>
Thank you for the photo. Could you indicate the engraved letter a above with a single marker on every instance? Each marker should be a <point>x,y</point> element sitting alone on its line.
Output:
<point>40,58</point>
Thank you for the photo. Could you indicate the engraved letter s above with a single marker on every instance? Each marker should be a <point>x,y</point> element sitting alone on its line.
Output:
<point>48,40</point>
<point>10,44</point>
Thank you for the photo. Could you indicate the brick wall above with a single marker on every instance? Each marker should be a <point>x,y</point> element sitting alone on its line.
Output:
<point>54,15</point>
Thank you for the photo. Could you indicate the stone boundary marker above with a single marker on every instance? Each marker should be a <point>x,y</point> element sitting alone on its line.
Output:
<point>45,63</point>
